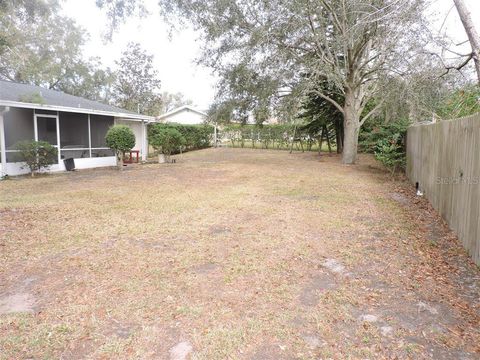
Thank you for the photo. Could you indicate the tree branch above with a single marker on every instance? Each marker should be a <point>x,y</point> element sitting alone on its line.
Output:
<point>459,67</point>
<point>333,102</point>
<point>371,112</point>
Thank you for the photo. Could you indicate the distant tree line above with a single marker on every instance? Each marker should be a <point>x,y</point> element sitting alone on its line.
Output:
<point>40,46</point>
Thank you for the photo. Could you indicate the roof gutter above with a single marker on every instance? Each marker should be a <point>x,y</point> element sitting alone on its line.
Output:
<point>76,110</point>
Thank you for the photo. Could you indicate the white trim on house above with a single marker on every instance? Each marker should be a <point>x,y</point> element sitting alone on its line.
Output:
<point>130,116</point>
<point>3,152</point>
<point>181,108</point>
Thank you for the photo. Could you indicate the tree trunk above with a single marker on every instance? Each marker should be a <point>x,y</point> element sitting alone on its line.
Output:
<point>472,34</point>
<point>120,160</point>
<point>328,140</point>
<point>161,158</point>
<point>351,127</point>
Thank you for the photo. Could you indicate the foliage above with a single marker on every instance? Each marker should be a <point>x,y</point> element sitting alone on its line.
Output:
<point>172,101</point>
<point>33,98</point>
<point>391,153</point>
<point>118,10</point>
<point>386,141</point>
<point>137,84</point>
<point>120,138</point>
<point>268,136</point>
<point>462,102</point>
<point>40,46</point>
<point>196,136</point>
<point>36,154</point>
<point>167,140</point>
<point>263,50</point>
<point>322,117</point>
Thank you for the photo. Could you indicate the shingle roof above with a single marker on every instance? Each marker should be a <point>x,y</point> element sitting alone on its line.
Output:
<point>24,93</point>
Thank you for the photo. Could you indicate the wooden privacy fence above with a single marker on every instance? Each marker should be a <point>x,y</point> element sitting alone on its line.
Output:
<point>444,158</point>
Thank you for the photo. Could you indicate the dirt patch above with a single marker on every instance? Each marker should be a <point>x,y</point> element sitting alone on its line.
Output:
<point>243,254</point>
<point>181,351</point>
<point>17,303</point>
<point>318,285</point>
<point>204,269</point>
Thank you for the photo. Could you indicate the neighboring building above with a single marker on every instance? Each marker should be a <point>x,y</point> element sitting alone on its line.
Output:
<point>75,126</point>
<point>184,115</point>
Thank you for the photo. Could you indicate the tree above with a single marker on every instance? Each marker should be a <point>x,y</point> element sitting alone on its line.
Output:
<point>121,139</point>
<point>472,34</point>
<point>353,44</point>
<point>37,155</point>
<point>166,140</point>
<point>137,84</point>
<point>172,101</point>
<point>41,47</point>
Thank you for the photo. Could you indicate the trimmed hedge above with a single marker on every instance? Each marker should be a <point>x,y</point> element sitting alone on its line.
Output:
<point>196,136</point>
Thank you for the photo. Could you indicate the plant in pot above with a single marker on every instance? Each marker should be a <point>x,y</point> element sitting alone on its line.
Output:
<point>121,139</point>
<point>166,141</point>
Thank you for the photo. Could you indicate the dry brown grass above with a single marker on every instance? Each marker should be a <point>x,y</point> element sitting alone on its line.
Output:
<point>226,250</point>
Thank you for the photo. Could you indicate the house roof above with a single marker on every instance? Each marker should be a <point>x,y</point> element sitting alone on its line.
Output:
<point>179,109</point>
<point>24,95</point>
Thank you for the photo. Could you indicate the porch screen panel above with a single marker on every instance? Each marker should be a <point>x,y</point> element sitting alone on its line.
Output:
<point>47,129</point>
<point>18,125</point>
<point>74,135</point>
<point>99,126</point>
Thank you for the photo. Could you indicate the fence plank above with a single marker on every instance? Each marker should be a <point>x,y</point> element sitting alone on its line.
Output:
<point>444,159</point>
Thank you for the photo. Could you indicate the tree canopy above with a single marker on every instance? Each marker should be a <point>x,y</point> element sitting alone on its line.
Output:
<point>137,84</point>
<point>40,46</point>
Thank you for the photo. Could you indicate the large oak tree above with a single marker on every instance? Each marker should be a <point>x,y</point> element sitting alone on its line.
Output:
<point>353,44</point>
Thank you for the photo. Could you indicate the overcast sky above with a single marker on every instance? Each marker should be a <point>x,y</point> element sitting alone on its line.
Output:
<point>174,58</point>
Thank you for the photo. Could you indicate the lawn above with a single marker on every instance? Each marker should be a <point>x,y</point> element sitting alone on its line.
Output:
<point>231,254</point>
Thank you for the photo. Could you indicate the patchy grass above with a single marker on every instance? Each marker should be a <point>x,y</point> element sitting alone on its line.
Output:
<point>226,250</point>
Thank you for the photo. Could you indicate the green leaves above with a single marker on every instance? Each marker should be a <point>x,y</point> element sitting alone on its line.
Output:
<point>36,154</point>
<point>40,46</point>
<point>195,136</point>
<point>167,140</point>
<point>137,84</point>
<point>120,138</point>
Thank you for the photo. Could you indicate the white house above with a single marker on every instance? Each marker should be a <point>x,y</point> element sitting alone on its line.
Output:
<point>74,125</point>
<point>184,115</point>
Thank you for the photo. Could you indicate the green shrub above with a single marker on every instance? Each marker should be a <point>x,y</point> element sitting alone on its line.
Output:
<point>386,141</point>
<point>36,154</point>
<point>196,136</point>
<point>120,138</point>
<point>391,152</point>
<point>167,140</point>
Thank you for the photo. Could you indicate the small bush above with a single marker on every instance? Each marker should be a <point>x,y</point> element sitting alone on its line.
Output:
<point>196,136</point>
<point>120,138</point>
<point>387,142</point>
<point>167,141</point>
<point>37,154</point>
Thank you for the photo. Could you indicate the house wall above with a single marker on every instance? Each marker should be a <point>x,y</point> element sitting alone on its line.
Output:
<point>186,117</point>
<point>18,124</point>
<point>140,131</point>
